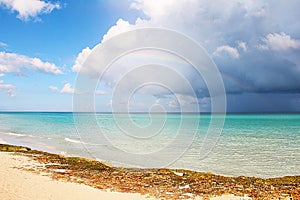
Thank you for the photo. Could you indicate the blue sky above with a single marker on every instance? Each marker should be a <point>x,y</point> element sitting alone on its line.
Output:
<point>255,45</point>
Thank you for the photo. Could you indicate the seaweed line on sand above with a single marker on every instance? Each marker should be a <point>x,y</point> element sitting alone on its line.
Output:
<point>159,183</point>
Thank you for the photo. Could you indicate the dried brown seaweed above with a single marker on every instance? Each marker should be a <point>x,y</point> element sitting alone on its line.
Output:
<point>160,183</point>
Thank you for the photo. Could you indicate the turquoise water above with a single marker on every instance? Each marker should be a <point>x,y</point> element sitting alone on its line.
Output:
<point>264,145</point>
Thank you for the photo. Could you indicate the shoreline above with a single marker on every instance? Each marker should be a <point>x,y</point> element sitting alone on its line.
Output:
<point>17,139</point>
<point>239,151</point>
<point>156,183</point>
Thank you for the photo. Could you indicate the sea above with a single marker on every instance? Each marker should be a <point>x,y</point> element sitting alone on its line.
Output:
<point>260,145</point>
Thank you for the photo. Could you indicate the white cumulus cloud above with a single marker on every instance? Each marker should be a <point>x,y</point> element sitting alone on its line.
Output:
<point>120,27</point>
<point>11,62</point>
<point>54,88</point>
<point>29,9</point>
<point>67,89</point>
<point>8,88</point>
<point>80,59</point>
<point>231,51</point>
<point>279,42</point>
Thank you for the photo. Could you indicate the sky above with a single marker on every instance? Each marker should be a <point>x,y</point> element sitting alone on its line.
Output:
<point>254,44</point>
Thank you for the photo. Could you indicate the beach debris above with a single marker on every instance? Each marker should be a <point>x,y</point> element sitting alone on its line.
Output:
<point>178,173</point>
<point>60,170</point>
<point>188,194</point>
<point>184,187</point>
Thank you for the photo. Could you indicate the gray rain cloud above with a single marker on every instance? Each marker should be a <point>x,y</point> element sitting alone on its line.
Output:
<point>255,45</point>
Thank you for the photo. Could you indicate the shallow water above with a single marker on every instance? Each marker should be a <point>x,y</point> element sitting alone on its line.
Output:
<point>264,145</point>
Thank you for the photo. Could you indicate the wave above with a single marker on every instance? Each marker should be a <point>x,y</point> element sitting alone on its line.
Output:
<point>73,141</point>
<point>80,142</point>
<point>16,134</point>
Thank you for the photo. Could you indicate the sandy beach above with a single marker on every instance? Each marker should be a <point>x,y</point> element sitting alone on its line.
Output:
<point>30,174</point>
<point>149,100</point>
<point>17,184</point>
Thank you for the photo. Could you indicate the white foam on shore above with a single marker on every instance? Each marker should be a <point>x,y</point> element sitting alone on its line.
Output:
<point>73,141</point>
<point>80,142</point>
<point>15,134</point>
<point>30,141</point>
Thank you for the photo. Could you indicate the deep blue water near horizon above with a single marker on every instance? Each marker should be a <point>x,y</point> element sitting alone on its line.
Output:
<point>264,145</point>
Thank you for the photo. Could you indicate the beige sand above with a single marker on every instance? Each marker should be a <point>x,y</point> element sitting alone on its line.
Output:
<point>16,184</point>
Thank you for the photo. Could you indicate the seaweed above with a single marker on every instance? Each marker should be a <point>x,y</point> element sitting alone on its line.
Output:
<point>159,183</point>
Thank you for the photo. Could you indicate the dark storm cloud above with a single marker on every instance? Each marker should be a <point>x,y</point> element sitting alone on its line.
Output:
<point>255,45</point>
<point>260,72</point>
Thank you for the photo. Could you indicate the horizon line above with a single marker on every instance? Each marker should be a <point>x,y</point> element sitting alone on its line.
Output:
<point>140,112</point>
